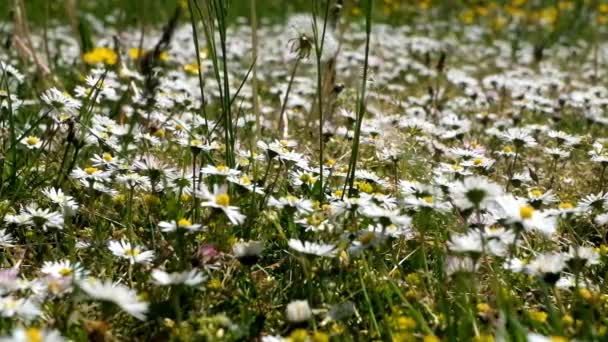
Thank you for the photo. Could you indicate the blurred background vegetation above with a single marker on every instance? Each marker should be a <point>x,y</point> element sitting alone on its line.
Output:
<point>546,20</point>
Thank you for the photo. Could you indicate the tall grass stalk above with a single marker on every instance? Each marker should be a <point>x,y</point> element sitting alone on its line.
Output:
<point>318,55</point>
<point>254,80</point>
<point>201,83</point>
<point>352,167</point>
<point>283,122</point>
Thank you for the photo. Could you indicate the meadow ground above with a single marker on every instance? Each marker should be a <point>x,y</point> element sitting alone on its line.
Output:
<point>273,170</point>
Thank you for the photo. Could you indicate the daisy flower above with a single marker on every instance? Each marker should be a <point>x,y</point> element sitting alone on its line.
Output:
<point>182,223</point>
<point>518,211</point>
<point>474,192</point>
<point>91,174</point>
<point>106,160</point>
<point>301,205</point>
<point>135,254</point>
<point>121,295</point>
<point>306,247</point>
<point>33,334</point>
<point>58,197</point>
<point>520,137</point>
<point>63,268</point>
<point>245,182</point>
<point>32,142</point>
<point>6,239</point>
<point>248,252</point>
<point>43,218</point>
<point>220,199</point>
<point>220,170</point>
<point>23,308</point>
<point>188,278</point>
<point>60,101</point>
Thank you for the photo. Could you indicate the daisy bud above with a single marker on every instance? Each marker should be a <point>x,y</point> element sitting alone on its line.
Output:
<point>298,311</point>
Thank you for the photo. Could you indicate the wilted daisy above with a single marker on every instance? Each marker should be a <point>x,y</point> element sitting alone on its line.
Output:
<point>121,295</point>
<point>307,247</point>
<point>135,254</point>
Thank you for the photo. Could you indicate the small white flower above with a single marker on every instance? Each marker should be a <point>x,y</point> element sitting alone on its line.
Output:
<point>135,254</point>
<point>221,200</point>
<point>306,247</point>
<point>121,295</point>
<point>32,142</point>
<point>189,278</point>
<point>182,223</point>
<point>33,334</point>
<point>63,268</point>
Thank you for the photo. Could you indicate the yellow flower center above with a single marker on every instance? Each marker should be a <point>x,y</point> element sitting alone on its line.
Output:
<point>183,222</point>
<point>539,316</point>
<point>456,167</point>
<point>65,271</point>
<point>365,187</point>
<point>526,212</point>
<point>178,127</point>
<point>222,168</point>
<point>191,68</point>
<point>160,133</point>
<point>107,157</point>
<point>32,140</point>
<point>245,180</point>
<point>428,199</point>
<point>223,200</point>
<point>133,252</point>
<point>91,170</point>
<point>477,161</point>
<point>34,335</point>
<point>536,193</point>
<point>330,162</point>
<point>566,205</point>
<point>558,339</point>
<point>196,142</point>
<point>507,149</point>
<point>483,307</point>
